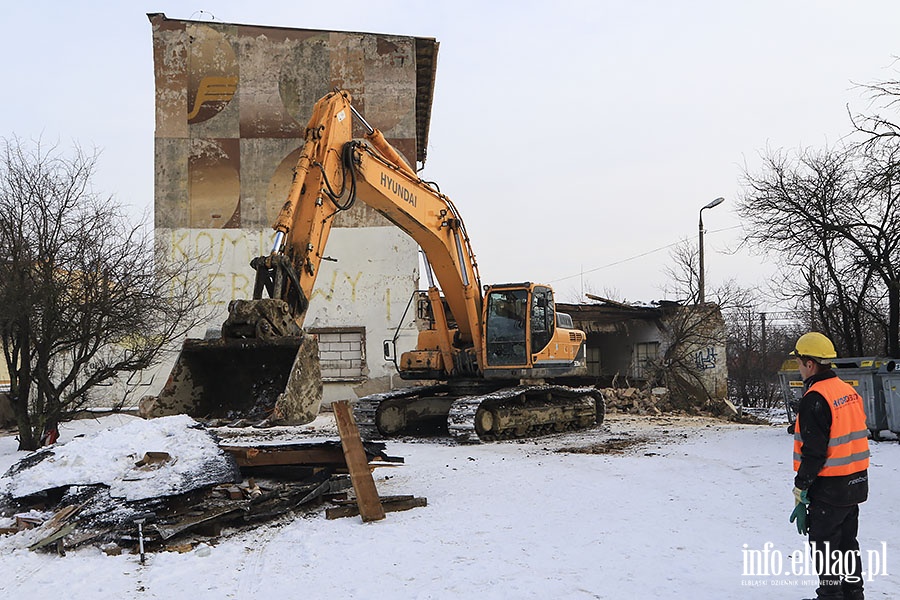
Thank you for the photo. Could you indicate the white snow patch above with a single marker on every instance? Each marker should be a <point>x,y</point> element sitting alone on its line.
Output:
<point>109,458</point>
<point>671,517</point>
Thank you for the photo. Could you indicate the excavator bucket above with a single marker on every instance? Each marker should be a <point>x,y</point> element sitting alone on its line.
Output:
<point>273,380</point>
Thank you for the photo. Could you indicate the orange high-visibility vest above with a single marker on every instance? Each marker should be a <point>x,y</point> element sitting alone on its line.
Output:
<point>848,447</point>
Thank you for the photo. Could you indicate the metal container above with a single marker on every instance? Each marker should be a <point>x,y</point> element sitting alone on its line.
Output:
<point>864,374</point>
<point>791,388</point>
<point>890,383</point>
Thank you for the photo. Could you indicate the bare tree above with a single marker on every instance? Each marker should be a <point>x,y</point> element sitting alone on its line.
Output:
<point>682,273</point>
<point>82,298</point>
<point>758,345</point>
<point>687,331</point>
<point>683,280</point>
<point>832,218</point>
<point>693,326</point>
<point>876,127</point>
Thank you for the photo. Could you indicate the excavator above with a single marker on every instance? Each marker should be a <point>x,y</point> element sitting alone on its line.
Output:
<point>501,355</point>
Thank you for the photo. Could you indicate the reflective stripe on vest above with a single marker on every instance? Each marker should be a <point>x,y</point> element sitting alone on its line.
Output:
<point>848,447</point>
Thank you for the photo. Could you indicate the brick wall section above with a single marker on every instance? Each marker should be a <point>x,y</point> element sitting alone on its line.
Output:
<point>342,353</point>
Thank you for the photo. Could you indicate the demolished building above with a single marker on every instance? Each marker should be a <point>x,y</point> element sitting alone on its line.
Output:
<point>665,343</point>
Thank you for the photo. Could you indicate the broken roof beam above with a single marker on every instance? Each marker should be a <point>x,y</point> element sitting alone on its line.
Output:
<point>610,302</point>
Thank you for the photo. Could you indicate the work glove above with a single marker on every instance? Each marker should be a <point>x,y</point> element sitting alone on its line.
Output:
<point>800,511</point>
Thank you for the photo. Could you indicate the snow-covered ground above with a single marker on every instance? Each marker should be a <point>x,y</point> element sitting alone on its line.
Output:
<point>678,513</point>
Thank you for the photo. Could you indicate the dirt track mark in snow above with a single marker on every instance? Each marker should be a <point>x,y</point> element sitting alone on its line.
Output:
<point>613,445</point>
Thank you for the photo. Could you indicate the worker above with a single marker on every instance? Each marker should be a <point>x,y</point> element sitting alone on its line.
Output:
<point>831,458</point>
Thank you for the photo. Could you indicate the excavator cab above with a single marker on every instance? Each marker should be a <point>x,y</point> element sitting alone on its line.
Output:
<point>506,333</point>
<point>522,337</point>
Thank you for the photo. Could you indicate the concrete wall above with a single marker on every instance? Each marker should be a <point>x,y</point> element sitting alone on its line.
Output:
<point>367,288</point>
<point>232,103</point>
<point>709,359</point>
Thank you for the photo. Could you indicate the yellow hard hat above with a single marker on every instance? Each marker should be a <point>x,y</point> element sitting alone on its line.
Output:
<point>814,345</point>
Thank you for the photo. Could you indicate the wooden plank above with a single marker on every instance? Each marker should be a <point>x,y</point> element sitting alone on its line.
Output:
<point>351,510</point>
<point>166,532</point>
<point>57,533</point>
<point>256,457</point>
<point>370,508</point>
<point>384,500</point>
<point>63,515</point>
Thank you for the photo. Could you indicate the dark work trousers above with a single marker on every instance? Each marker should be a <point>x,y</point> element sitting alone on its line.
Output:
<point>835,551</point>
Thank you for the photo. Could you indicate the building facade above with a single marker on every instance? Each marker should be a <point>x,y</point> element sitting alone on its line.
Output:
<point>232,104</point>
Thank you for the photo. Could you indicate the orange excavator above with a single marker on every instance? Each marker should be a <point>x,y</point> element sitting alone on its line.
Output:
<point>501,356</point>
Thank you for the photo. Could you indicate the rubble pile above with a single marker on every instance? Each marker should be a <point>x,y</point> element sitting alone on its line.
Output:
<point>659,401</point>
<point>167,483</point>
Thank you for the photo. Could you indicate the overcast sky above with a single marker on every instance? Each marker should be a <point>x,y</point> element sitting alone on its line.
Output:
<point>571,135</point>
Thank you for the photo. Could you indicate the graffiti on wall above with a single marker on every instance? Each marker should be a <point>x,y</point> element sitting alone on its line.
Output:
<point>222,258</point>
<point>705,359</point>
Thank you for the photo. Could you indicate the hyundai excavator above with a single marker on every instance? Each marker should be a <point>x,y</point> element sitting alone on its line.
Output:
<point>501,354</point>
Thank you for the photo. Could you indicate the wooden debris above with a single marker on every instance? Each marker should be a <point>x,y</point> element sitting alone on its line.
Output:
<point>252,490</point>
<point>57,527</point>
<point>27,522</point>
<point>389,503</point>
<point>321,454</point>
<point>278,479</point>
<point>313,455</point>
<point>153,459</point>
<point>167,531</point>
<point>370,508</point>
<point>56,536</point>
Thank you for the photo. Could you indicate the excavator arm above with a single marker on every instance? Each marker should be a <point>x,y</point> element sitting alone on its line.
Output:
<point>333,172</point>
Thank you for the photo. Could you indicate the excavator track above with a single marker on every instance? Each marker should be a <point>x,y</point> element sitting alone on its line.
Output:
<point>524,411</point>
<point>365,409</point>
<point>507,413</point>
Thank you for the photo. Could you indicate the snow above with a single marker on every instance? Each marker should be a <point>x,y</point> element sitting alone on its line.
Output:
<point>674,515</point>
<point>109,457</point>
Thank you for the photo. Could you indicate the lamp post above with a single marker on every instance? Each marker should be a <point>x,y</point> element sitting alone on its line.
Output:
<point>702,292</point>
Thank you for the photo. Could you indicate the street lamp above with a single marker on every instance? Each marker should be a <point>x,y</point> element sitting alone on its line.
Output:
<point>702,294</point>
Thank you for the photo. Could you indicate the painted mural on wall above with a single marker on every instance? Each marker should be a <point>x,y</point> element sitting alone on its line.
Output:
<point>232,103</point>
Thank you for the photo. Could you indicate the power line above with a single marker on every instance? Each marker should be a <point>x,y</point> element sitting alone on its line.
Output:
<point>625,260</point>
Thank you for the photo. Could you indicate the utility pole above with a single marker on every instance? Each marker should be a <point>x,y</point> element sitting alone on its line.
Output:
<point>701,295</point>
<point>762,322</point>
